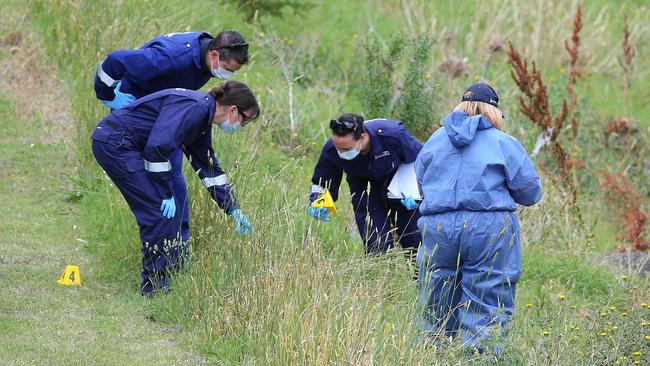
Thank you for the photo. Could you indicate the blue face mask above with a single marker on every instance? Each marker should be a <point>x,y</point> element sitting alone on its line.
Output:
<point>350,154</point>
<point>220,73</point>
<point>228,128</point>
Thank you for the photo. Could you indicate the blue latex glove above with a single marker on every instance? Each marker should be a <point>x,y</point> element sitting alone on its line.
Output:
<point>121,99</point>
<point>409,202</point>
<point>321,213</point>
<point>168,208</point>
<point>243,225</point>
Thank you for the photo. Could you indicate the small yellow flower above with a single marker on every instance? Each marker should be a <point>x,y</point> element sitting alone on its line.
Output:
<point>573,307</point>
<point>546,332</point>
<point>647,338</point>
<point>562,297</point>
<point>636,362</point>
<point>529,305</point>
<point>645,324</point>
<point>603,314</point>
<point>637,353</point>
<point>624,313</point>
<point>603,334</point>
<point>643,305</point>
<point>624,277</point>
<point>612,308</point>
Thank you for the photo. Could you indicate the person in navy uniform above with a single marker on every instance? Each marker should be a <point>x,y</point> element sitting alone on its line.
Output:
<point>369,153</point>
<point>135,144</point>
<point>175,60</point>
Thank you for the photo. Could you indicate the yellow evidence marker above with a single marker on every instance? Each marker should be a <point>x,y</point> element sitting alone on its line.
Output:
<point>325,200</point>
<point>70,276</point>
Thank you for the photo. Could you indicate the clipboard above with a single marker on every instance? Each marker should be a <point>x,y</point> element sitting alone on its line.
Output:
<point>404,183</point>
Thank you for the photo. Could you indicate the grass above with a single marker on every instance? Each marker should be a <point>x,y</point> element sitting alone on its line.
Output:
<point>298,291</point>
<point>42,322</point>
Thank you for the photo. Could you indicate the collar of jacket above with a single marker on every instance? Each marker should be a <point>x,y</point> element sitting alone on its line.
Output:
<point>377,149</point>
<point>204,42</point>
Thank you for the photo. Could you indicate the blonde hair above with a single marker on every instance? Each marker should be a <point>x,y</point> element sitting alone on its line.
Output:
<point>492,113</point>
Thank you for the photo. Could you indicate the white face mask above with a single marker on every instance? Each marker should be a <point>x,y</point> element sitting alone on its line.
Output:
<point>221,73</point>
<point>350,154</point>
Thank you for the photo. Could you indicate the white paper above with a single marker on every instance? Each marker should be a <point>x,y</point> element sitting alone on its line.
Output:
<point>404,182</point>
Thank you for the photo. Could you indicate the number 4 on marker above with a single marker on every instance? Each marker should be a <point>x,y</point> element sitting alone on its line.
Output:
<point>70,277</point>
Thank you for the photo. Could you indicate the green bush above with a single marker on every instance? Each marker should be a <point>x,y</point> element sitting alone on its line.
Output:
<point>415,106</point>
<point>384,95</point>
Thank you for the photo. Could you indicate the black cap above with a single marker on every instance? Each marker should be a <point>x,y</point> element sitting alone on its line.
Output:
<point>481,92</point>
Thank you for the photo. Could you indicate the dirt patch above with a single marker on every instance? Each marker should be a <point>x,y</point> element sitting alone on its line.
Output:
<point>29,80</point>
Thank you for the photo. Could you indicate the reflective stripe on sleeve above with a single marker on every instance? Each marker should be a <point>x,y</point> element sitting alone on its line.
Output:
<point>214,181</point>
<point>315,188</point>
<point>164,166</point>
<point>109,81</point>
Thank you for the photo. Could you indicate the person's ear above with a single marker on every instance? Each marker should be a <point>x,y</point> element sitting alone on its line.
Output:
<point>214,55</point>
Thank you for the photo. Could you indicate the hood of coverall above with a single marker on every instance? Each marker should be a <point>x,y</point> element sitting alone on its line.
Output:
<point>462,128</point>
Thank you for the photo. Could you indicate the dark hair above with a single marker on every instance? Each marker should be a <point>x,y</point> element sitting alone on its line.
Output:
<point>230,45</point>
<point>340,126</point>
<point>239,95</point>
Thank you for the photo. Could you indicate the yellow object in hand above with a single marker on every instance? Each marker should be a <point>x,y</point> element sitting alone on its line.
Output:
<point>325,200</point>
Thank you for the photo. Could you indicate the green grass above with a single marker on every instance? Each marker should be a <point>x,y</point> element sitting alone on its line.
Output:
<point>298,291</point>
<point>42,322</point>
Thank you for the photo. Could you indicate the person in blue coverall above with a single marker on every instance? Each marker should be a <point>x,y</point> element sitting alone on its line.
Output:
<point>369,153</point>
<point>135,144</point>
<point>472,176</point>
<point>175,60</point>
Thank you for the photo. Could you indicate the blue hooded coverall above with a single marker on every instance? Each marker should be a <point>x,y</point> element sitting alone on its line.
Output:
<point>368,177</point>
<point>173,60</point>
<point>134,146</point>
<point>472,175</point>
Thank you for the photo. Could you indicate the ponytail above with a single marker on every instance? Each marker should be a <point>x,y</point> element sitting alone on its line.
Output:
<point>239,95</point>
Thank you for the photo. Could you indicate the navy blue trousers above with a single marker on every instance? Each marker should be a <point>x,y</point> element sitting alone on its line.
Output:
<point>180,192</point>
<point>163,251</point>
<point>381,220</point>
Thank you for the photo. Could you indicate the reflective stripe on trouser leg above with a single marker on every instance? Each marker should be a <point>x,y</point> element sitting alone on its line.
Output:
<point>161,247</point>
<point>438,277</point>
<point>157,167</point>
<point>180,192</point>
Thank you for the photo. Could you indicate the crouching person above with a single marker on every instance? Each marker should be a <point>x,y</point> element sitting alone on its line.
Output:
<point>134,145</point>
<point>369,153</point>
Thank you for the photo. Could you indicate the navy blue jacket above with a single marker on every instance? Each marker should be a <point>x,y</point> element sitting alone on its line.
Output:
<point>391,145</point>
<point>165,121</point>
<point>173,60</point>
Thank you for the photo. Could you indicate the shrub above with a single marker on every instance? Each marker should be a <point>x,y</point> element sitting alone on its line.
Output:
<point>384,96</point>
